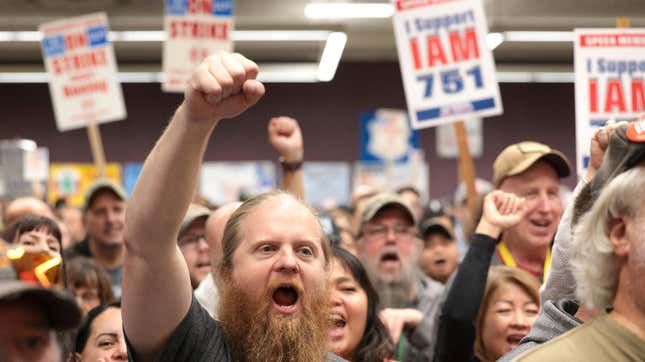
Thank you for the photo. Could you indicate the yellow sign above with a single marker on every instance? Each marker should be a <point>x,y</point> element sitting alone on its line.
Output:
<point>69,180</point>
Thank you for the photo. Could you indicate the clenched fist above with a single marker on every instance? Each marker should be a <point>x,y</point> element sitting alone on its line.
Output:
<point>286,138</point>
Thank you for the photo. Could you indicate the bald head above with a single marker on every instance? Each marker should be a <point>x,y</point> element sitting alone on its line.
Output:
<point>26,206</point>
<point>215,229</point>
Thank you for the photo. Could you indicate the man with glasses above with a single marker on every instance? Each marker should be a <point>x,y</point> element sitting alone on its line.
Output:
<point>193,245</point>
<point>389,249</point>
<point>533,171</point>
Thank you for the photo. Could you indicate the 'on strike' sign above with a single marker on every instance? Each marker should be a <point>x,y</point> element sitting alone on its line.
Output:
<point>447,68</point>
<point>83,77</point>
<point>609,68</point>
<point>194,30</point>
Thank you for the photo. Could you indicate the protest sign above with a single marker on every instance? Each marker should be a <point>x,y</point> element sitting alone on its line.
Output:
<point>194,30</point>
<point>609,67</point>
<point>386,136</point>
<point>70,180</point>
<point>448,71</point>
<point>83,75</point>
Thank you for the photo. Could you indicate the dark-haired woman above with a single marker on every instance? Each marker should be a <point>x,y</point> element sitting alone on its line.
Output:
<point>101,337</point>
<point>36,234</point>
<point>357,333</point>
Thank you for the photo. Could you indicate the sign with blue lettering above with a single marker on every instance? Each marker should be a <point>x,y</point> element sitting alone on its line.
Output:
<point>447,69</point>
<point>386,136</point>
<point>82,68</point>
<point>610,71</point>
<point>194,30</point>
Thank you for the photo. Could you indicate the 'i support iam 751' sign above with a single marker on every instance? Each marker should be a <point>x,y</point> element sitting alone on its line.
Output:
<point>448,71</point>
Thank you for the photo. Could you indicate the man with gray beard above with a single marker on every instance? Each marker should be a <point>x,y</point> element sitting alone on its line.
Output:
<point>389,249</point>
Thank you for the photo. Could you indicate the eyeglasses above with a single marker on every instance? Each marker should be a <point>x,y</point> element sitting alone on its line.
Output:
<point>191,239</point>
<point>380,232</point>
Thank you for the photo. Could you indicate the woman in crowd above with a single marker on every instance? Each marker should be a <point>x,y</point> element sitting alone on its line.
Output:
<point>89,283</point>
<point>509,307</point>
<point>486,314</point>
<point>36,234</point>
<point>357,333</point>
<point>101,337</point>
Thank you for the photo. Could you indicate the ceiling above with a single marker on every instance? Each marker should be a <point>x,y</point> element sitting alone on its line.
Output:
<point>368,39</point>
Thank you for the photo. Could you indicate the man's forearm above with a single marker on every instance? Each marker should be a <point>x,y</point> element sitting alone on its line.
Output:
<point>293,182</point>
<point>166,185</point>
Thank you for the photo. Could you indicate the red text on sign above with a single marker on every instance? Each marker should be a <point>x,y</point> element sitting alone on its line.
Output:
<point>200,6</point>
<point>81,61</point>
<point>75,40</point>
<point>615,99</point>
<point>198,30</point>
<point>430,52</point>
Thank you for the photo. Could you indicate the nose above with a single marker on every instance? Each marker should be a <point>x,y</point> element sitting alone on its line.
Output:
<point>390,236</point>
<point>202,245</point>
<point>336,299</point>
<point>520,320</point>
<point>287,262</point>
<point>546,202</point>
<point>121,352</point>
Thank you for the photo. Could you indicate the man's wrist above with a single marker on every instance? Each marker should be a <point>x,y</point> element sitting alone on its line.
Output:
<point>290,165</point>
<point>489,229</point>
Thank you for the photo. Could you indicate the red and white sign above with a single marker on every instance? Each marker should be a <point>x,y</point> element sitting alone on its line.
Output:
<point>83,75</point>
<point>448,71</point>
<point>609,67</point>
<point>194,30</point>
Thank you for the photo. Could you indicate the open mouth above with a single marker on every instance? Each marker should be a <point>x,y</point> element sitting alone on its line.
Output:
<point>285,296</point>
<point>440,262</point>
<point>338,321</point>
<point>390,257</point>
<point>204,265</point>
<point>514,339</point>
<point>542,224</point>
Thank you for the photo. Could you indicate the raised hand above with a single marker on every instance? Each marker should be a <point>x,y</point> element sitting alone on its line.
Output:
<point>222,86</point>
<point>501,211</point>
<point>285,136</point>
<point>598,146</point>
<point>395,319</point>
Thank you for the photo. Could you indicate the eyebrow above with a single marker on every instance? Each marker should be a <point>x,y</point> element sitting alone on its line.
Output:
<point>343,280</point>
<point>113,335</point>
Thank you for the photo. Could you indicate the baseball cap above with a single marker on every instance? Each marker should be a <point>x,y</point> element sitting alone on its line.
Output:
<point>626,149</point>
<point>437,224</point>
<point>518,157</point>
<point>59,307</point>
<point>195,211</point>
<point>382,201</point>
<point>102,184</point>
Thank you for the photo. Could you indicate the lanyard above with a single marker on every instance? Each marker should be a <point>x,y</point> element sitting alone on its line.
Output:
<point>400,348</point>
<point>507,258</point>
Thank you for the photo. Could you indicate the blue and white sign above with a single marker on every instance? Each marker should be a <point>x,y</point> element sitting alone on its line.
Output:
<point>448,71</point>
<point>194,30</point>
<point>386,136</point>
<point>610,67</point>
<point>83,77</point>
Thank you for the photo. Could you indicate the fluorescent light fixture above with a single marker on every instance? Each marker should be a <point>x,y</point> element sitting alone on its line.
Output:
<point>159,36</point>
<point>348,10</point>
<point>331,55</point>
<point>493,40</point>
<point>539,36</point>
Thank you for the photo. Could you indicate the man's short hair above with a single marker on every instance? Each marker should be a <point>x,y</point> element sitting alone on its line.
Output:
<point>519,157</point>
<point>233,232</point>
<point>595,266</point>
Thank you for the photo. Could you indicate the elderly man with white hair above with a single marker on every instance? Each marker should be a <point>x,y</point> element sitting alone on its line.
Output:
<point>608,259</point>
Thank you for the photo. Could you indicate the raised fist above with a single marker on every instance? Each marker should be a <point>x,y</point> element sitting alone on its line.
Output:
<point>502,210</point>
<point>286,138</point>
<point>222,86</point>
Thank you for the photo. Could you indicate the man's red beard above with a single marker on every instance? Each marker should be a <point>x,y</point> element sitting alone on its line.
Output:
<point>256,332</point>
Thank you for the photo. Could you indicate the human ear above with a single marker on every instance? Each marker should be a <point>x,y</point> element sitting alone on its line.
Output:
<point>618,237</point>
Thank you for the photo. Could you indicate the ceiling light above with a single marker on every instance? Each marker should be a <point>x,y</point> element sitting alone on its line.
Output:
<point>348,10</point>
<point>493,40</point>
<point>331,55</point>
<point>539,36</point>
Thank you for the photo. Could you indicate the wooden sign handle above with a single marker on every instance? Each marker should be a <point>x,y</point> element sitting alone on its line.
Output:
<point>466,165</point>
<point>96,144</point>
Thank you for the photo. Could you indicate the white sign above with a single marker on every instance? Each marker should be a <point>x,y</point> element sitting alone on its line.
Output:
<point>327,183</point>
<point>447,69</point>
<point>390,177</point>
<point>610,68</point>
<point>223,182</point>
<point>83,76</point>
<point>446,137</point>
<point>194,30</point>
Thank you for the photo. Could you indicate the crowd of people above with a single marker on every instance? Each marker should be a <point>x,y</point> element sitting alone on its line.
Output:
<point>523,276</point>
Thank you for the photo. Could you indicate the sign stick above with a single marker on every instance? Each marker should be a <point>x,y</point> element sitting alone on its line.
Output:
<point>98,153</point>
<point>466,165</point>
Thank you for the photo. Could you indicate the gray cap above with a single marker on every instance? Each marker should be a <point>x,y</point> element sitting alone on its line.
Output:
<point>195,211</point>
<point>102,184</point>
<point>383,201</point>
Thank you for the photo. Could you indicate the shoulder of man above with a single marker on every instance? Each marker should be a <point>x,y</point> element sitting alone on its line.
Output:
<point>82,248</point>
